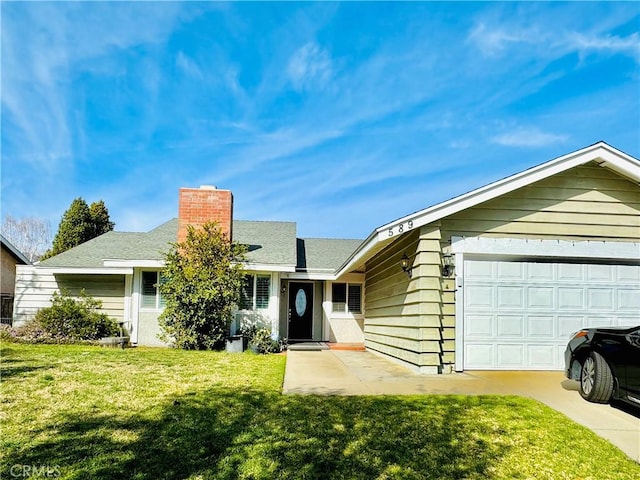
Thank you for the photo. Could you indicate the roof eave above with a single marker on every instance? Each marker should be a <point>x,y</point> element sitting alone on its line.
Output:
<point>602,153</point>
<point>14,251</point>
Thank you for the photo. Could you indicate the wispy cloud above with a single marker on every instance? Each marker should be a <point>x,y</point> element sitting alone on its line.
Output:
<point>303,118</point>
<point>501,37</point>
<point>584,43</point>
<point>188,66</point>
<point>43,47</point>
<point>310,67</point>
<point>493,40</point>
<point>528,137</point>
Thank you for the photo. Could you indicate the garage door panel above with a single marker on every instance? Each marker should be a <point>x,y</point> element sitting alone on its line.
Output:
<point>510,271</point>
<point>510,326</point>
<point>542,356</point>
<point>540,326</point>
<point>479,326</point>
<point>480,355</point>
<point>629,300</point>
<point>511,355</point>
<point>479,297</point>
<point>600,298</point>
<point>570,298</point>
<point>479,270</point>
<point>519,315</point>
<point>599,322</point>
<point>569,325</point>
<point>570,272</point>
<point>600,273</point>
<point>510,297</point>
<point>541,271</point>
<point>628,273</point>
<point>540,297</point>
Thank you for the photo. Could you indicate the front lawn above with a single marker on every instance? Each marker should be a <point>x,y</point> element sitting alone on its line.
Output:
<point>85,412</point>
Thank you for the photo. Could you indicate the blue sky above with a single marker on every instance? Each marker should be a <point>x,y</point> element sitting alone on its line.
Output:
<point>339,116</point>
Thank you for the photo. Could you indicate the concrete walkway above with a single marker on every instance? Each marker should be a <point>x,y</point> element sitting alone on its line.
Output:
<point>331,372</point>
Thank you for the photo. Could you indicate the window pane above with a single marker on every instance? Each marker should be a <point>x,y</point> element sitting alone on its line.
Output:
<point>246,294</point>
<point>162,301</point>
<point>149,280</point>
<point>263,284</point>
<point>355,296</point>
<point>7,309</point>
<point>339,296</point>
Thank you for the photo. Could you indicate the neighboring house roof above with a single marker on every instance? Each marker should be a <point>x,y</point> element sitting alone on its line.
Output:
<point>11,248</point>
<point>272,246</point>
<point>600,153</point>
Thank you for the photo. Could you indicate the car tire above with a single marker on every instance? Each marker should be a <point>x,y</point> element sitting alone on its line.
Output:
<point>596,379</point>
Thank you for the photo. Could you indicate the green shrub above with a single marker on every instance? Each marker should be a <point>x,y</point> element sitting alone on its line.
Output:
<point>262,341</point>
<point>73,318</point>
<point>201,284</point>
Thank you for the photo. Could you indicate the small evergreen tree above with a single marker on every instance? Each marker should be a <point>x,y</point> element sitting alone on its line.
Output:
<point>201,284</point>
<point>79,224</point>
<point>100,219</point>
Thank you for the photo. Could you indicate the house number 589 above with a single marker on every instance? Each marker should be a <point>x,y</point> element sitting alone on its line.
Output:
<point>401,228</point>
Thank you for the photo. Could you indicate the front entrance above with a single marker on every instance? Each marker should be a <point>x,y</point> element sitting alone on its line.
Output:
<point>300,313</point>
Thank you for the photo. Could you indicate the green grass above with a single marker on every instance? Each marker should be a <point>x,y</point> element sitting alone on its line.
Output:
<point>86,412</point>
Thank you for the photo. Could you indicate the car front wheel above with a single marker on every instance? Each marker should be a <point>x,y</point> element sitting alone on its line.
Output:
<point>596,379</point>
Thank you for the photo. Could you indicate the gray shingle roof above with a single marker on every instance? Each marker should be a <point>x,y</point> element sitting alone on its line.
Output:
<point>322,254</point>
<point>269,243</point>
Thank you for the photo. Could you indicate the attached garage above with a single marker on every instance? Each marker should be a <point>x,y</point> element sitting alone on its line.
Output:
<point>517,315</point>
<point>498,278</point>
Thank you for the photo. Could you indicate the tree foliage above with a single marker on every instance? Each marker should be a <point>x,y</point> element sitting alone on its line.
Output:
<point>30,235</point>
<point>201,284</point>
<point>79,224</point>
<point>100,219</point>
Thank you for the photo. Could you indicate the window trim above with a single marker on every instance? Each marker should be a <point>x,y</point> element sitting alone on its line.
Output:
<point>347,311</point>
<point>158,297</point>
<point>254,293</point>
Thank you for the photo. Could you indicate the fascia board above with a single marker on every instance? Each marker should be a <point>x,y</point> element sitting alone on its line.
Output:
<point>621,162</point>
<point>265,267</point>
<point>309,276</point>
<point>518,247</point>
<point>134,263</point>
<point>85,270</point>
<point>610,157</point>
<point>359,254</point>
<point>14,250</point>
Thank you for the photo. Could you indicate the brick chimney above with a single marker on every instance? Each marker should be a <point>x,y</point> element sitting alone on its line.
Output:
<point>197,206</point>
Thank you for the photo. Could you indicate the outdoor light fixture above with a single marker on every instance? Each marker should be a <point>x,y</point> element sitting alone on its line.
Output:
<point>404,263</point>
<point>447,265</point>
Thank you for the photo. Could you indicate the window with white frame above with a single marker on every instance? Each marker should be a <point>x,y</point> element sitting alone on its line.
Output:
<point>149,291</point>
<point>346,298</point>
<point>255,292</point>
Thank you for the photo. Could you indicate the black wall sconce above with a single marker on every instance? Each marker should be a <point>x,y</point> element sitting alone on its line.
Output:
<point>447,265</point>
<point>404,264</point>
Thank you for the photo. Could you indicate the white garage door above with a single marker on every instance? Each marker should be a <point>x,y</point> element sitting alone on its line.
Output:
<point>519,315</point>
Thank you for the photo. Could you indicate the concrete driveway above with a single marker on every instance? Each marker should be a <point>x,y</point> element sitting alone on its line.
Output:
<point>332,372</point>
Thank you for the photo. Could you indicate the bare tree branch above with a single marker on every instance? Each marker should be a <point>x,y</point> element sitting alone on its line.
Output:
<point>30,235</point>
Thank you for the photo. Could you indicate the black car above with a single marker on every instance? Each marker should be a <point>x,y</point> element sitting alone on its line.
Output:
<point>606,362</point>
